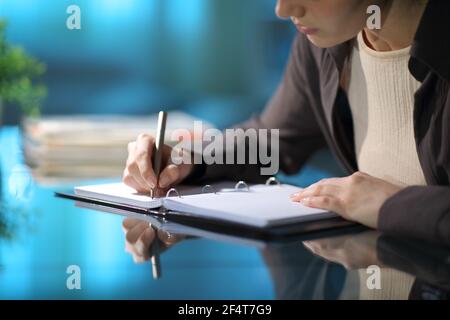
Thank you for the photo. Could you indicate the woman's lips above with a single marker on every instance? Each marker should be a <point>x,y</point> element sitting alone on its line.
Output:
<point>306,30</point>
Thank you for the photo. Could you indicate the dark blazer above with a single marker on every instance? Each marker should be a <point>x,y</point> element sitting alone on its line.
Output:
<point>311,109</point>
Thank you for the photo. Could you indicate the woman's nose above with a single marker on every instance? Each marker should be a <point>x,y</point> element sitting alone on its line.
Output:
<point>289,8</point>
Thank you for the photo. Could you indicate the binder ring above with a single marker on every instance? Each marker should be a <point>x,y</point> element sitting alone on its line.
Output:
<point>173,190</point>
<point>163,211</point>
<point>208,186</point>
<point>241,183</point>
<point>272,180</point>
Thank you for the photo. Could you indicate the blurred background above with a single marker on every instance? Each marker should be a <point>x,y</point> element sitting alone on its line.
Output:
<point>218,60</point>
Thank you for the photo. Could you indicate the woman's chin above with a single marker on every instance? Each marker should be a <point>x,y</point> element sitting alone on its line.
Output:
<point>322,42</point>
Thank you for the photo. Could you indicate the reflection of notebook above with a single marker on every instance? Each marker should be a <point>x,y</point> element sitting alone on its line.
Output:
<point>257,205</point>
<point>307,231</point>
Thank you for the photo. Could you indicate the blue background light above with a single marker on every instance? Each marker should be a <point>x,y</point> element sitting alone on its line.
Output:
<point>217,59</point>
<point>136,56</point>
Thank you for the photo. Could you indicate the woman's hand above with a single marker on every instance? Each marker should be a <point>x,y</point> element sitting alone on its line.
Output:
<point>139,173</point>
<point>358,197</point>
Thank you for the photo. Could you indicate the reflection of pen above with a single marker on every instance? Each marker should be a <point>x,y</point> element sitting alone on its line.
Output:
<point>159,144</point>
<point>154,253</point>
<point>157,161</point>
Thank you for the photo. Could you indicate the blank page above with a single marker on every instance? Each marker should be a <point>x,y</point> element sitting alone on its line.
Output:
<point>119,193</point>
<point>261,206</point>
<point>122,194</point>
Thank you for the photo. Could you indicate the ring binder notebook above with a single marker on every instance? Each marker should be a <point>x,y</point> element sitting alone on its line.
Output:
<point>260,206</point>
<point>171,191</point>
<point>241,185</point>
<point>272,180</point>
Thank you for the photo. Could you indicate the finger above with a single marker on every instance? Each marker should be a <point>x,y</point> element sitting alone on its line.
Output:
<point>135,173</point>
<point>169,176</point>
<point>159,193</point>
<point>143,159</point>
<point>144,242</point>
<point>133,249</point>
<point>319,245</point>
<point>130,181</point>
<point>318,190</point>
<point>324,202</point>
<point>334,181</point>
<point>128,223</point>
<point>131,148</point>
<point>128,248</point>
<point>178,165</point>
<point>133,235</point>
<point>312,247</point>
<point>327,181</point>
<point>309,246</point>
<point>138,259</point>
<point>168,238</point>
<point>131,175</point>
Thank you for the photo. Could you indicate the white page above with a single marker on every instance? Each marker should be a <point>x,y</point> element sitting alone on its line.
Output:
<point>119,193</point>
<point>261,206</point>
<point>122,194</point>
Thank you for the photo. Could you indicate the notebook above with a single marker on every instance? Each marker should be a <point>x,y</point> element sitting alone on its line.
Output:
<point>262,205</point>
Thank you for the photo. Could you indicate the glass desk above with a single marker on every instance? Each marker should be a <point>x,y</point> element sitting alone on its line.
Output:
<point>41,236</point>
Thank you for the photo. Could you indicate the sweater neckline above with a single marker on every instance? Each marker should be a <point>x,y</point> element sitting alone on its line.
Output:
<point>362,45</point>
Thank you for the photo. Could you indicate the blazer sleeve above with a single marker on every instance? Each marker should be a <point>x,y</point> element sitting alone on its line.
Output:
<point>419,211</point>
<point>290,111</point>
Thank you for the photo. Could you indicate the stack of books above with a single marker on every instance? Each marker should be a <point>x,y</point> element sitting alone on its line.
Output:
<point>89,147</point>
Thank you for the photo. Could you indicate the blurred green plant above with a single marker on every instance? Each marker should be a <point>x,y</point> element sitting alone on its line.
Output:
<point>13,219</point>
<point>18,72</point>
<point>5,229</point>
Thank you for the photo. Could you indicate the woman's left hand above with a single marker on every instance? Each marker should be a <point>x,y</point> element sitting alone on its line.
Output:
<point>358,197</point>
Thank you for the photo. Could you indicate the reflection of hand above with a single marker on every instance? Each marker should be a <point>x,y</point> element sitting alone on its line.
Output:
<point>139,235</point>
<point>351,251</point>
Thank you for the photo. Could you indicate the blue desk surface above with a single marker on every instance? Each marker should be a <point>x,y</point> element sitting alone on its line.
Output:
<point>40,236</point>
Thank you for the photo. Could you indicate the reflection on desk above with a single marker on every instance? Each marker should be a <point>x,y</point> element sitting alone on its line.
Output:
<point>409,269</point>
<point>337,269</point>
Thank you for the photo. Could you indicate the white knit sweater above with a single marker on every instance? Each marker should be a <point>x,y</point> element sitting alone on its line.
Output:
<point>381,97</point>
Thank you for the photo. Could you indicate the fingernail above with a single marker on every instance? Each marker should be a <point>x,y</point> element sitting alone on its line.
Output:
<point>295,195</point>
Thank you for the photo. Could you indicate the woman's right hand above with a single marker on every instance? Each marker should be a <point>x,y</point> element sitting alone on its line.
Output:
<point>139,174</point>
